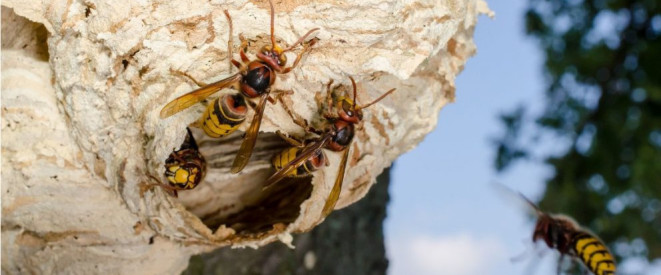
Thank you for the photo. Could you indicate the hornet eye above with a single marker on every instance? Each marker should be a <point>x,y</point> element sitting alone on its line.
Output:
<point>347,107</point>
<point>282,59</point>
<point>266,50</point>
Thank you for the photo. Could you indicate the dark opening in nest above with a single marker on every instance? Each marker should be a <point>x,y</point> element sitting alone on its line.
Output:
<point>238,201</point>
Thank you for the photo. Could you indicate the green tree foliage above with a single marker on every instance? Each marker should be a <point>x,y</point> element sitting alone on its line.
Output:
<point>603,99</point>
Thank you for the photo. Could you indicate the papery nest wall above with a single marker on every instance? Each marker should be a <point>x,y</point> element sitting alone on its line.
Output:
<point>82,134</point>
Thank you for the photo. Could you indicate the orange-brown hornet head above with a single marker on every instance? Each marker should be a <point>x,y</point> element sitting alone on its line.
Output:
<point>555,230</point>
<point>346,107</point>
<point>273,54</point>
<point>349,111</point>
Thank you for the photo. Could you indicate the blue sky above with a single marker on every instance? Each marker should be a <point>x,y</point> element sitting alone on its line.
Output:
<point>445,216</point>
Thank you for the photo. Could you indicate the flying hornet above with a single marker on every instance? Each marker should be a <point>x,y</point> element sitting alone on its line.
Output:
<point>254,80</point>
<point>562,233</point>
<point>341,116</point>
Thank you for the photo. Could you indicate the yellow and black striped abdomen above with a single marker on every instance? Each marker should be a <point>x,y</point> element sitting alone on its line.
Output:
<point>223,116</point>
<point>285,157</point>
<point>594,254</point>
<point>310,165</point>
<point>182,177</point>
<point>185,168</point>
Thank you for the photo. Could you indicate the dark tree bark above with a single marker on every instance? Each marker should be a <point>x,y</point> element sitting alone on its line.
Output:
<point>350,241</point>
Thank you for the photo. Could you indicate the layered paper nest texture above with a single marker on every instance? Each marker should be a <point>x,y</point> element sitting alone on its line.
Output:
<point>81,131</point>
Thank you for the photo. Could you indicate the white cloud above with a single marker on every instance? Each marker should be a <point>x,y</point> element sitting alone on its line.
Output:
<point>639,265</point>
<point>460,254</point>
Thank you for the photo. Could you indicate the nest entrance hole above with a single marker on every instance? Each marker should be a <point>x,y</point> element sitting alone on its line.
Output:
<point>238,201</point>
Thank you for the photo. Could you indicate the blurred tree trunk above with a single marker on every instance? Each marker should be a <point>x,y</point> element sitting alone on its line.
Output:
<point>349,241</point>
